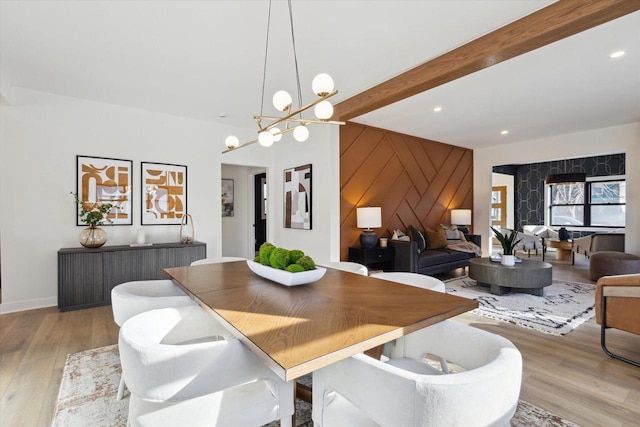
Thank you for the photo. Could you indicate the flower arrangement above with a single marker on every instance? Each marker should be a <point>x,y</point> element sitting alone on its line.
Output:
<point>93,213</point>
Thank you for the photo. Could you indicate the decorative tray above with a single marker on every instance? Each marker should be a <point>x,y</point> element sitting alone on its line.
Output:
<point>284,277</point>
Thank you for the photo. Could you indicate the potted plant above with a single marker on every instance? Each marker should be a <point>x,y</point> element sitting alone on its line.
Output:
<point>508,242</point>
<point>93,214</point>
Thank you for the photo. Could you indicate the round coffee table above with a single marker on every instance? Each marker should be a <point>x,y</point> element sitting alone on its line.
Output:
<point>527,276</point>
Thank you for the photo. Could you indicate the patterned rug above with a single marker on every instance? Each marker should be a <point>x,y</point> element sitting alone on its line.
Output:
<point>87,396</point>
<point>564,306</point>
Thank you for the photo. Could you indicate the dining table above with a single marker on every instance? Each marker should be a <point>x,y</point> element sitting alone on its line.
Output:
<point>296,330</point>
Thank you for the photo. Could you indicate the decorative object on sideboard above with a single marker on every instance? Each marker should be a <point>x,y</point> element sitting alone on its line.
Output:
<point>369,217</point>
<point>508,242</point>
<point>93,214</point>
<point>269,130</point>
<point>187,229</point>
<point>383,242</point>
<point>461,218</point>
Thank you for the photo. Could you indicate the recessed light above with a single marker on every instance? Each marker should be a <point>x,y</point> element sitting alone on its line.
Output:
<point>437,109</point>
<point>504,132</point>
<point>223,115</point>
<point>617,54</point>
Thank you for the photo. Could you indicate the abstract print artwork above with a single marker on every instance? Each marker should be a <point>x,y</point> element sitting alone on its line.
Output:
<point>227,197</point>
<point>104,180</point>
<point>297,197</point>
<point>164,193</point>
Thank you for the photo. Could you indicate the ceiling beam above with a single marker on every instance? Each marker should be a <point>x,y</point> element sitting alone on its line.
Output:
<point>555,22</point>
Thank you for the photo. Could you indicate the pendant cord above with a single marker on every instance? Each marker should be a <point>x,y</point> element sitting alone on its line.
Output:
<point>266,51</point>
<point>295,58</point>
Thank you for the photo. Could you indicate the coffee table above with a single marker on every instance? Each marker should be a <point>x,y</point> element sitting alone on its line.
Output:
<point>526,276</point>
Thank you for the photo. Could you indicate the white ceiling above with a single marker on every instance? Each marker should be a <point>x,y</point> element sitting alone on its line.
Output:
<point>199,59</point>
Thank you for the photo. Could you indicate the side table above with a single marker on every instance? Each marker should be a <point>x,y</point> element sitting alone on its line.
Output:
<point>374,259</point>
<point>563,248</point>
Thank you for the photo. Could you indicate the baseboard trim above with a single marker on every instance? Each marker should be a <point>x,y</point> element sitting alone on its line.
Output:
<point>12,307</point>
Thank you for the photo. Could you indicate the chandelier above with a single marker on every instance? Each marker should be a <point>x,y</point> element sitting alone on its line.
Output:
<point>271,128</point>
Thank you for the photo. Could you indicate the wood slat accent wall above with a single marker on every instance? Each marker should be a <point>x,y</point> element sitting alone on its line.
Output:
<point>416,181</point>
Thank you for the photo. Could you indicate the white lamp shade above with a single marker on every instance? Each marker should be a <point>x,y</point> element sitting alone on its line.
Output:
<point>369,217</point>
<point>277,136</point>
<point>323,110</point>
<point>461,216</point>
<point>301,133</point>
<point>265,138</point>
<point>232,141</point>
<point>281,100</point>
<point>322,84</point>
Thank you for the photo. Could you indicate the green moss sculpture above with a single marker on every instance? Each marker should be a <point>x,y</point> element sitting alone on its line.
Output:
<point>279,258</point>
<point>295,255</point>
<point>307,263</point>
<point>265,253</point>
<point>295,268</point>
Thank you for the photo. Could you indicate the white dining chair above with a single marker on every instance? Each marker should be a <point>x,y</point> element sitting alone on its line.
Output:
<point>408,391</point>
<point>352,267</point>
<point>182,370</point>
<point>132,298</point>
<point>217,260</point>
<point>412,279</point>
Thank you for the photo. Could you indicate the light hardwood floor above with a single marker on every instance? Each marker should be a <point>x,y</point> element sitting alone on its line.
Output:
<point>568,375</point>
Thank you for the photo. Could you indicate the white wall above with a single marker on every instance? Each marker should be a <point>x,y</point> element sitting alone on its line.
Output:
<point>618,139</point>
<point>40,136</point>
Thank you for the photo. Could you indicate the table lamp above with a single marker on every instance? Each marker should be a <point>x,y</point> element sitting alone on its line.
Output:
<point>461,218</point>
<point>369,218</point>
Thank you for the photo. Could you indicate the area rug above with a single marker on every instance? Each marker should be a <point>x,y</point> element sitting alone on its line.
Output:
<point>89,385</point>
<point>564,306</point>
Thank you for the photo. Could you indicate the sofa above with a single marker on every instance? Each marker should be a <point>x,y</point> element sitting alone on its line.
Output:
<point>411,256</point>
<point>597,242</point>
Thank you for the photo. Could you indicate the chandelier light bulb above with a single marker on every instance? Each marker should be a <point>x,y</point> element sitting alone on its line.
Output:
<point>265,138</point>
<point>282,100</point>
<point>301,133</point>
<point>322,84</point>
<point>275,131</point>
<point>232,141</point>
<point>323,110</point>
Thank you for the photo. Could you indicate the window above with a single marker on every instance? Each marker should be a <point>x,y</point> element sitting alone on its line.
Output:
<point>590,204</point>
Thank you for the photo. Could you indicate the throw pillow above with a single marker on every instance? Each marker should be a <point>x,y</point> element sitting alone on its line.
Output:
<point>417,236</point>
<point>399,235</point>
<point>436,239</point>
<point>451,233</point>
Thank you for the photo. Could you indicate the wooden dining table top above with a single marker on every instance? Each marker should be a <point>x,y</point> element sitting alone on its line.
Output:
<point>296,330</point>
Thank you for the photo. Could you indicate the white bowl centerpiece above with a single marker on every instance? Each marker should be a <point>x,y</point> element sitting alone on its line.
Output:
<point>288,268</point>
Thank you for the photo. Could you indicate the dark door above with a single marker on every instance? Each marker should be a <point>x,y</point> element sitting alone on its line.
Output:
<point>260,203</point>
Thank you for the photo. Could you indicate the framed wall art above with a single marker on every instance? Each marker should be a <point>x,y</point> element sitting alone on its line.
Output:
<point>163,193</point>
<point>105,180</point>
<point>227,197</point>
<point>297,197</point>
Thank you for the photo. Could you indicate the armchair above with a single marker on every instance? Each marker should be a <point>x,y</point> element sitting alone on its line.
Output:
<point>597,242</point>
<point>618,306</point>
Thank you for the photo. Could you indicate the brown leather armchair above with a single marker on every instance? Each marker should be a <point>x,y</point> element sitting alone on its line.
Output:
<point>618,303</point>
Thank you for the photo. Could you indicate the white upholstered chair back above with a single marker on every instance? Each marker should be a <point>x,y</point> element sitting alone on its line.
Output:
<point>352,267</point>
<point>405,391</point>
<point>412,279</point>
<point>217,260</point>
<point>180,372</point>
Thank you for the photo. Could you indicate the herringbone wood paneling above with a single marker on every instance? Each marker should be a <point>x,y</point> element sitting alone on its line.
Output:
<point>416,181</point>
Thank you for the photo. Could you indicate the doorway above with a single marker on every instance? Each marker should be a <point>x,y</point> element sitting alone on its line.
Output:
<point>260,209</point>
<point>498,209</point>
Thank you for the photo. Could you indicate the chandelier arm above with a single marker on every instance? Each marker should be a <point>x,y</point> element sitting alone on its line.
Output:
<point>266,51</point>
<point>288,117</point>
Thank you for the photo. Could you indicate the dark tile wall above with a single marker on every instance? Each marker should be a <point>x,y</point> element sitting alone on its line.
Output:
<point>529,181</point>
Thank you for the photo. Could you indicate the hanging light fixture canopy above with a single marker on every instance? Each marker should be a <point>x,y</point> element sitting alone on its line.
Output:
<point>271,128</point>
<point>565,177</point>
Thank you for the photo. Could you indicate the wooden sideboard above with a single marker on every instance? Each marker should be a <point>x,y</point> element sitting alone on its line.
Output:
<point>86,276</point>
